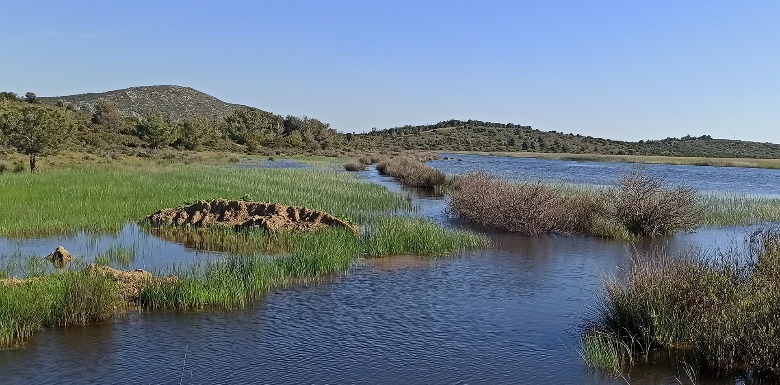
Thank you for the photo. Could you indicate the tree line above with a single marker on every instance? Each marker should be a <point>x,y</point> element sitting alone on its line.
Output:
<point>35,129</point>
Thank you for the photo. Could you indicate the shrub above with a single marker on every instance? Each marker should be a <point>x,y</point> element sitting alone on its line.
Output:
<point>525,207</point>
<point>724,307</point>
<point>355,166</point>
<point>412,172</point>
<point>639,206</point>
<point>646,206</point>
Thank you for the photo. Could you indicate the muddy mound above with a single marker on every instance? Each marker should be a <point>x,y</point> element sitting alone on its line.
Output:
<point>130,281</point>
<point>272,217</point>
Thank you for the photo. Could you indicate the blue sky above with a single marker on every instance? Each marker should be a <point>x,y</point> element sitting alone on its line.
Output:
<point>618,69</point>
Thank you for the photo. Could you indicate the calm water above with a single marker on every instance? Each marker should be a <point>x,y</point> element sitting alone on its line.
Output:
<point>755,181</point>
<point>505,315</point>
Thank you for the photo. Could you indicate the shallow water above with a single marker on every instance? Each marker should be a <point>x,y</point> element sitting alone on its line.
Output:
<point>509,314</point>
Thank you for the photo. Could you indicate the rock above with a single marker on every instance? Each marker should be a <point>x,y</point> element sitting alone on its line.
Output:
<point>271,217</point>
<point>60,257</point>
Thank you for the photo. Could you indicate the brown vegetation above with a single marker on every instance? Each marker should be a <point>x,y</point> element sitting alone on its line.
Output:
<point>639,206</point>
<point>527,207</point>
<point>241,214</point>
<point>355,166</point>
<point>412,172</point>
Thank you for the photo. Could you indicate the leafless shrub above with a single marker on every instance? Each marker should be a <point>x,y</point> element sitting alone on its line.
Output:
<point>527,208</point>
<point>647,207</point>
<point>411,172</point>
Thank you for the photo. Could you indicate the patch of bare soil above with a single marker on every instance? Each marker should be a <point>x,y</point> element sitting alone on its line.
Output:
<point>271,217</point>
<point>131,281</point>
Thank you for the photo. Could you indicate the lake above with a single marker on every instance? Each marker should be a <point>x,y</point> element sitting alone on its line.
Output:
<point>507,315</point>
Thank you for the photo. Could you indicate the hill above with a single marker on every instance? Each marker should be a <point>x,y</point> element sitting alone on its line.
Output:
<point>175,101</point>
<point>475,135</point>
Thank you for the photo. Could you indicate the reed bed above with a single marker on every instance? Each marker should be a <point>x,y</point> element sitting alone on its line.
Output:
<point>724,307</point>
<point>404,235</point>
<point>246,275</point>
<point>104,198</point>
<point>57,299</point>
<point>733,209</point>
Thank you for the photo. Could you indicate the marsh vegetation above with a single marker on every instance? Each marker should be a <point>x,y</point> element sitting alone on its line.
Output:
<point>723,307</point>
<point>103,198</point>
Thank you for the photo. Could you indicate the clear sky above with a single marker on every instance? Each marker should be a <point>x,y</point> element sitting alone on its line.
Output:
<point>617,69</point>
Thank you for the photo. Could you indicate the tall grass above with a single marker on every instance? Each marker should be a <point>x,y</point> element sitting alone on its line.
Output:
<point>404,235</point>
<point>103,198</point>
<point>58,299</point>
<point>238,280</point>
<point>734,209</point>
<point>724,307</point>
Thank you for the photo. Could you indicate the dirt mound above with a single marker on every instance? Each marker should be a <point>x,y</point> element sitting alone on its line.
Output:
<point>131,281</point>
<point>241,214</point>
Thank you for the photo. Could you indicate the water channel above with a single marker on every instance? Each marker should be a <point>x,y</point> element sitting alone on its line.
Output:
<point>509,314</point>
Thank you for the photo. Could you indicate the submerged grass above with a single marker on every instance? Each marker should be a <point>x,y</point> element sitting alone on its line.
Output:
<point>404,235</point>
<point>239,280</point>
<point>733,209</point>
<point>116,255</point>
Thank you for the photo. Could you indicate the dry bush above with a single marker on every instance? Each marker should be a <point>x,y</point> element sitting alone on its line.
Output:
<point>413,173</point>
<point>527,208</point>
<point>355,166</point>
<point>647,207</point>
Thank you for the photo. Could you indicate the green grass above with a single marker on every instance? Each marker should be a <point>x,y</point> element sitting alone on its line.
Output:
<point>239,280</point>
<point>116,256</point>
<point>404,235</point>
<point>57,299</point>
<point>724,306</point>
<point>734,209</point>
<point>103,198</point>
<point>603,351</point>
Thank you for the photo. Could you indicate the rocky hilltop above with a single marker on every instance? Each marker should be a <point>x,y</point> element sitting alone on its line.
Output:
<point>175,101</point>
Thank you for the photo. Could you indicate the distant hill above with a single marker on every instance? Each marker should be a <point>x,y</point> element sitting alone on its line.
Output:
<point>475,135</point>
<point>176,101</point>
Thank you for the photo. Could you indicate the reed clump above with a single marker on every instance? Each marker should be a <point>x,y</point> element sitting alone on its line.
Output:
<point>412,172</point>
<point>725,307</point>
<point>639,206</point>
<point>58,299</point>
<point>261,261</point>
